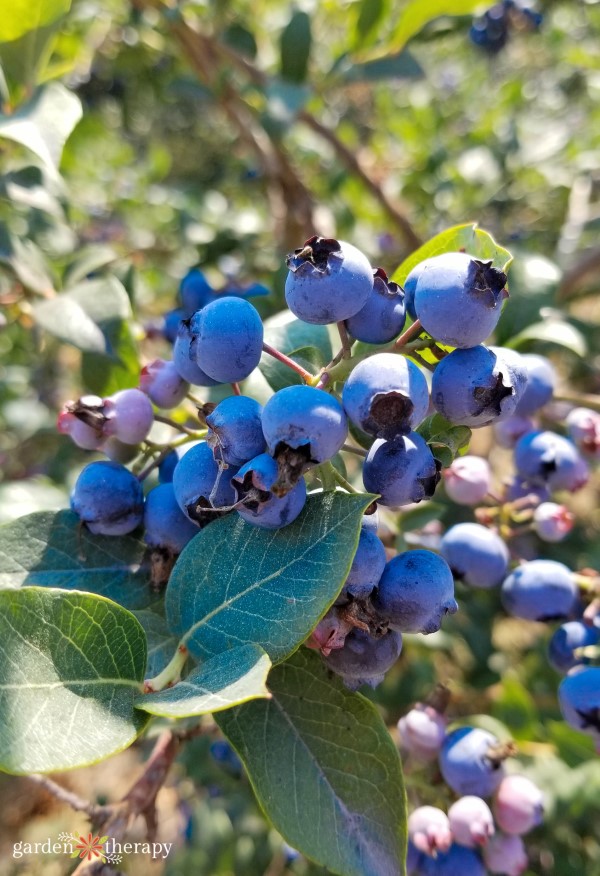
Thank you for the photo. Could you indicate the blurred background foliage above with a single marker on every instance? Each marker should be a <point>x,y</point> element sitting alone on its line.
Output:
<point>223,133</point>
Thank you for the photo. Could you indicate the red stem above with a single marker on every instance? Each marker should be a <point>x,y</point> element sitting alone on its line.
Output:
<point>306,376</point>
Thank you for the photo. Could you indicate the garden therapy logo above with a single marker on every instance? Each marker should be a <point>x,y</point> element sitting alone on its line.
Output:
<point>91,847</point>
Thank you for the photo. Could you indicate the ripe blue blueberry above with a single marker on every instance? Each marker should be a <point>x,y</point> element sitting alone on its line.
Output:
<point>328,281</point>
<point>476,386</point>
<point>579,700</point>
<point>171,322</point>
<point>410,285</point>
<point>383,316</point>
<point>303,426</point>
<point>235,430</point>
<point>508,431</point>
<point>550,459</point>
<point>386,395</point>
<point>415,592</point>
<point>367,567</point>
<point>476,554</point>
<point>541,590</point>
<point>541,380</point>
<point>458,298</point>
<point>167,466</point>
<point>457,861</point>
<point>471,761</point>
<point>401,471</point>
<point>184,359</point>
<point>195,292</point>
<point>227,338</point>
<point>108,498</point>
<point>365,659</point>
<point>255,500</point>
<point>201,486</point>
<point>564,642</point>
<point>165,525</point>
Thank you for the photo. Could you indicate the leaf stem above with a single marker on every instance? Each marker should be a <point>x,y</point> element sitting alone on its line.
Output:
<point>170,674</point>
<point>194,433</point>
<point>306,376</point>
<point>411,333</point>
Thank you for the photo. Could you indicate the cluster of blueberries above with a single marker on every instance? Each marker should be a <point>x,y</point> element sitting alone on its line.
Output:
<point>255,461</point>
<point>492,30</point>
<point>474,837</point>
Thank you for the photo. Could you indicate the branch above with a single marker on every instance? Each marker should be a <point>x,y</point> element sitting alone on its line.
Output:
<point>69,797</point>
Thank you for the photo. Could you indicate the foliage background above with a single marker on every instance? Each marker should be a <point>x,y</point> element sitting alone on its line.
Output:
<point>223,133</point>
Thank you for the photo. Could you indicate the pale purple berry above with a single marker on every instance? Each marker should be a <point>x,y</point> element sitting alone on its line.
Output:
<point>583,426</point>
<point>468,480</point>
<point>552,522</point>
<point>83,435</point>
<point>422,731</point>
<point>129,416</point>
<point>429,830</point>
<point>471,822</point>
<point>330,633</point>
<point>507,432</point>
<point>163,384</point>
<point>505,855</point>
<point>518,805</point>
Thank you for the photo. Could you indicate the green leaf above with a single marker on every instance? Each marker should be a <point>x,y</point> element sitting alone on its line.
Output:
<point>420,516</point>
<point>445,440</point>
<point>27,29</point>
<point>469,238</point>
<point>370,14</point>
<point>516,708</point>
<point>399,66</point>
<point>416,15</point>
<point>309,345</point>
<point>161,642</point>
<point>44,124</point>
<point>22,16</point>
<point>72,665</point>
<point>295,44</point>
<point>48,549</point>
<point>324,768</point>
<point>26,261</point>
<point>87,260</point>
<point>554,330</point>
<point>235,583</point>
<point>233,677</point>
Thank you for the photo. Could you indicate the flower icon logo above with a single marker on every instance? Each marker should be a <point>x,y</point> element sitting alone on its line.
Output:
<point>90,846</point>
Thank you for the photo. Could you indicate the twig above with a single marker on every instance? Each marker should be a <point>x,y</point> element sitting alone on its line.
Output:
<point>357,450</point>
<point>285,360</point>
<point>69,797</point>
<point>412,332</point>
<point>346,342</point>
<point>194,433</point>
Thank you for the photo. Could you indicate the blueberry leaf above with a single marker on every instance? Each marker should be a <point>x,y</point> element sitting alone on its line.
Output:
<point>228,679</point>
<point>161,643</point>
<point>235,584</point>
<point>416,15</point>
<point>343,804</point>
<point>309,345</point>
<point>445,440</point>
<point>295,44</point>
<point>52,549</point>
<point>71,667</point>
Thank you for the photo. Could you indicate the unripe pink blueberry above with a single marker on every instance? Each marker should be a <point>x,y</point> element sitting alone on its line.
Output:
<point>81,434</point>
<point>468,480</point>
<point>552,522</point>
<point>163,384</point>
<point>505,855</point>
<point>583,426</point>
<point>507,432</point>
<point>129,416</point>
<point>518,805</point>
<point>422,731</point>
<point>429,830</point>
<point>330,633</point>
<point>471,822</point>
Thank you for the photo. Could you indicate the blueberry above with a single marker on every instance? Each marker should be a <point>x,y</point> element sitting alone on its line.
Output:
<point>518,805</point>
<point>410,285</point>
<point>516,488</point>
<point>223,754</point>
<point>457,861</point>
<point>330,633</point>
<point>108,498</point>
<point>541,590</point>
<point>422,732</point>
<point>508,431</point>
<point>415,592</point>
<point>429,830</point>
<point>401,471</point>
<point>386,395</point>
<point>469,762</point>
<point>476,386</point>
<point>552,522</point>
<point>195,292</point>
<point>468,480</point>
<point>129,416</point>
<point>328,281</point>
<point>541,381</point>
<point>163,384</point>
<point>184,360</point>
<point>383,316</point>
<point>303,426</point>
<point>583,426</point>
<point>367,567</point>
<point>579,700</point>
<point>235,430</point>
<point>165,525</point>
<point>167,466</point>
<point>413,860</point>
<point>505,855</point>
<point>370,519</point>
<point>471,821</point>
<point>87,434</point>
<point>564,642</point>
<point>458,298</point>
<point>260,506</point>
<point>171,322</point>
<point>201,486</point>
<point>227,338</point>
<point>547,458</point>
<point>365,659</point>
<point>476,554</point>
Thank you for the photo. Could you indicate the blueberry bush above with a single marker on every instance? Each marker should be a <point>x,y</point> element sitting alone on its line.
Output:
<point>300,409</point>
